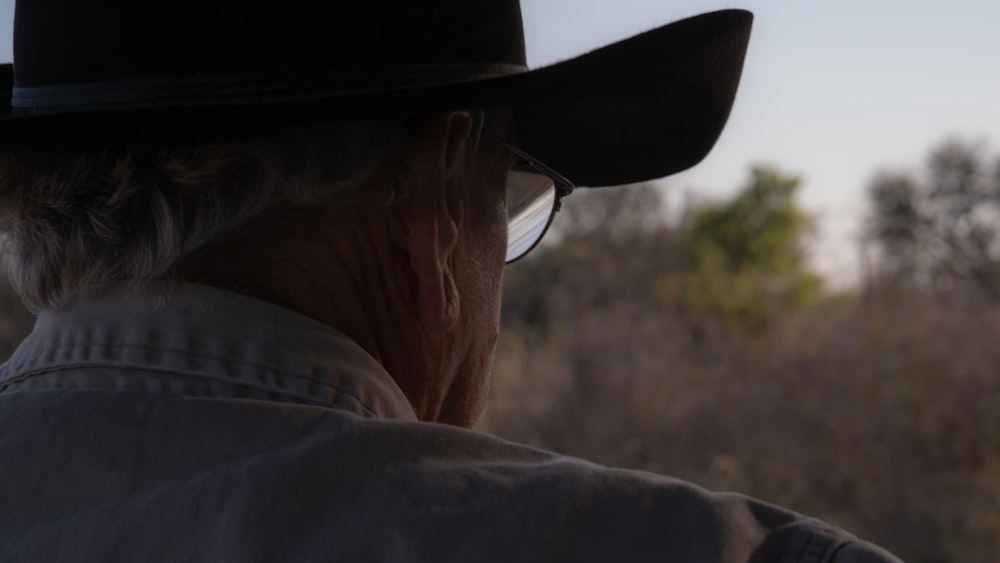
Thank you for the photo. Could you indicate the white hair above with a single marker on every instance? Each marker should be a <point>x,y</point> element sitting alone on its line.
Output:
<point>76,219</point>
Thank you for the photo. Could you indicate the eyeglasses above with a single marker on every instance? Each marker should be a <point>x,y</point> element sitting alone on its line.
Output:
<point>534,195</point>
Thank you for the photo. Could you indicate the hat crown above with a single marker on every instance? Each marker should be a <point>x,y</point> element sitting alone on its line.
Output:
<point>73,42</point>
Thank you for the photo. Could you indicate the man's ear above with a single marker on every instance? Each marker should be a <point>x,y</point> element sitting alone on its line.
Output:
<point>427,217</point>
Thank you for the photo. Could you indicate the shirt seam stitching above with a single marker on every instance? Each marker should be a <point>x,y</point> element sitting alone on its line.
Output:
<point>36,356</point>
<point>4,384</point>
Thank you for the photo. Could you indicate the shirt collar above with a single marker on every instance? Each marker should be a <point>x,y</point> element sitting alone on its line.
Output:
<point>190,330</point>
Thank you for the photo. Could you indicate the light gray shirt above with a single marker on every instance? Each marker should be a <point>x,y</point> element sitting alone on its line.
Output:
<point>191,424</point>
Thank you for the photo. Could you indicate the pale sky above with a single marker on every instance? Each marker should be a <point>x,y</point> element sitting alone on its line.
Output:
<point>832,91</point>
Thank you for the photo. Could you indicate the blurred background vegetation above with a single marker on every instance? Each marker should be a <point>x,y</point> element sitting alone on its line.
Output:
<point>699,343</point>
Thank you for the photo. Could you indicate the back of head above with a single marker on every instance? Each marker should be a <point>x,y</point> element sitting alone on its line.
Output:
<point>76,218</point>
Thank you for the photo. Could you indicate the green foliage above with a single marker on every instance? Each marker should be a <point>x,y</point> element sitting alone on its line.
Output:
<point>739,261</point>
<point>745,256</point>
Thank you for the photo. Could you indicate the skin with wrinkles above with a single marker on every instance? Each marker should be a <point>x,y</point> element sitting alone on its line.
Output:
<point>415,281</point>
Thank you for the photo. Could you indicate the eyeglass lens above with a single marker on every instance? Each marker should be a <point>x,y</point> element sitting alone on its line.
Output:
<point>531,199</point>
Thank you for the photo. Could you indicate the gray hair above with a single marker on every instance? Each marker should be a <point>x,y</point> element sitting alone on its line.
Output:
<point>76,219</point>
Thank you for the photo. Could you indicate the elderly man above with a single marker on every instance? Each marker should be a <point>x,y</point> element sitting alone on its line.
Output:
<point>266,244</point>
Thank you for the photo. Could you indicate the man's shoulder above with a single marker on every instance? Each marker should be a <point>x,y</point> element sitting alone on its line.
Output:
<point>496,491</point>
<point>299,480</point>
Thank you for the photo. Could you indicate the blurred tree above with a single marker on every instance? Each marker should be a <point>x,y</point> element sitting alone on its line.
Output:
<point>745,257</point>
<point>941,229</point>
<point>605,213</point>
<point>607,246</point>
<point>896,222</point>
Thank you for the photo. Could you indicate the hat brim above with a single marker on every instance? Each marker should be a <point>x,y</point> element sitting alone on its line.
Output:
<point>642,108</point>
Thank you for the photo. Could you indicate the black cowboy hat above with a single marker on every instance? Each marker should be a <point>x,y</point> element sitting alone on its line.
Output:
<point>638,109</point>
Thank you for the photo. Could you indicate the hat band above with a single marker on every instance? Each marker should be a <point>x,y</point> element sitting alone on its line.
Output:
<point>229,88</point>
